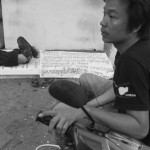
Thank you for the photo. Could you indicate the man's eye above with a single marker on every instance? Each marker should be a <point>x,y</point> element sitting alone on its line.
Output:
<point>112,16</point>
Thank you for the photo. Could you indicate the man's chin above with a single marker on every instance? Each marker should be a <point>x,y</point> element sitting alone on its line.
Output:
<point>107,40</point>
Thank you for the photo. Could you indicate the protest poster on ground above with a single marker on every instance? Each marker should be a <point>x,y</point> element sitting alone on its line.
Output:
<point>71,64</point>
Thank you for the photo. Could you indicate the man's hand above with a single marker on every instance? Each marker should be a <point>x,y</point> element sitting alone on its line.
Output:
<point>63,117</point>
<point>60,106</point>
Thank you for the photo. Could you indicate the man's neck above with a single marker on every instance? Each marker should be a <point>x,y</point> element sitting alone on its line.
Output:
<point>123,46</point>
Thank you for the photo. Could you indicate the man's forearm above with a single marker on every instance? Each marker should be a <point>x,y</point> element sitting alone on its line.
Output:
<point>123,123</point>
<point>105,98</point>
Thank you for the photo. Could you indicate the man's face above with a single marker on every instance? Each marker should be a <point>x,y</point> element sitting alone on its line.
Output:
<point>114,22</point>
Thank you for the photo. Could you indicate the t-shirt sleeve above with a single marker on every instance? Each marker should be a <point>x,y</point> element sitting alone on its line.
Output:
<point>132,86</point>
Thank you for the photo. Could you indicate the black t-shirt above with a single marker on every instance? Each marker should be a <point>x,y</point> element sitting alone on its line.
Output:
<point>132,79</point>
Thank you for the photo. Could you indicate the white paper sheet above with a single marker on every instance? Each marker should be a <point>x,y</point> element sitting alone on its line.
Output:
<point>68,64</point>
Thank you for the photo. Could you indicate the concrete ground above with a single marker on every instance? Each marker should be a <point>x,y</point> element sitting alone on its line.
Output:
<point>20,101</point>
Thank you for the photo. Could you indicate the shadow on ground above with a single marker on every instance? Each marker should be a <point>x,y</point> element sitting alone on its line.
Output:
<point>20,101</point>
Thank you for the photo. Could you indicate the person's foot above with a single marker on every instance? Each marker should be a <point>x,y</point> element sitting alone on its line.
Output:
<point>23,44</point>
<point>22,59</point>
<point>24,55</point>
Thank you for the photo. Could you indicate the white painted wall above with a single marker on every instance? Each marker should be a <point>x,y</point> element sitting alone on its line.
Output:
<point>53,24</point>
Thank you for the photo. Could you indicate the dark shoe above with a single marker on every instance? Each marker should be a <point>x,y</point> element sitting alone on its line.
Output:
<point>23,44</point>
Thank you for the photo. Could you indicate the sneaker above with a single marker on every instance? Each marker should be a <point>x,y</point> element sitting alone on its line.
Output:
<point>23,44</point>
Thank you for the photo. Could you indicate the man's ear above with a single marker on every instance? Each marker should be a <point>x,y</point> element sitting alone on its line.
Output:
<point>137,29</point>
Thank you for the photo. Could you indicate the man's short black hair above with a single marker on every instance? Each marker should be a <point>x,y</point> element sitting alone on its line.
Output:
<point>139,16</point>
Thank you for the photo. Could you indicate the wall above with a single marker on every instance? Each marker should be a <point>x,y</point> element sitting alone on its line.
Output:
<point>1,29</point>
<point>53,24</point>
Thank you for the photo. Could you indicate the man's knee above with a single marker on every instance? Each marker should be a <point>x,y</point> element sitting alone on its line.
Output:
<point>84,78</point>
<point>91,78</point>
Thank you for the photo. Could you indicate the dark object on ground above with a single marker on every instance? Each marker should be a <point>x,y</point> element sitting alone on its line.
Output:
<point>41,82</point>
<point>45,120</point>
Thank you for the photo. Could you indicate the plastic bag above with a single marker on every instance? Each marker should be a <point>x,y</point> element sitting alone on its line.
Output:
<point>85,139</point>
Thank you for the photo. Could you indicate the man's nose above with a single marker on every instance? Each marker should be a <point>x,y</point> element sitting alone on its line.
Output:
<point>103,22</point>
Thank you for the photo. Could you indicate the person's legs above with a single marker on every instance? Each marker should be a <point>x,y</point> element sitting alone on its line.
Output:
<point>69,93</point>
<point>24,56</point>
<point>15,57</point>
<point>22,59</point>
<point>8,58</point>
<point>94,85</point>
<point>78,95</point>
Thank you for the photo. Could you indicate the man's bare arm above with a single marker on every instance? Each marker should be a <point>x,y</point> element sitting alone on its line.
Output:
<point>132,123</point>
<point>105,98</point>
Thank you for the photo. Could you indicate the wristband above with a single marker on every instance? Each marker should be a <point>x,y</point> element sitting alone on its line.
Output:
<point>89,116</point>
